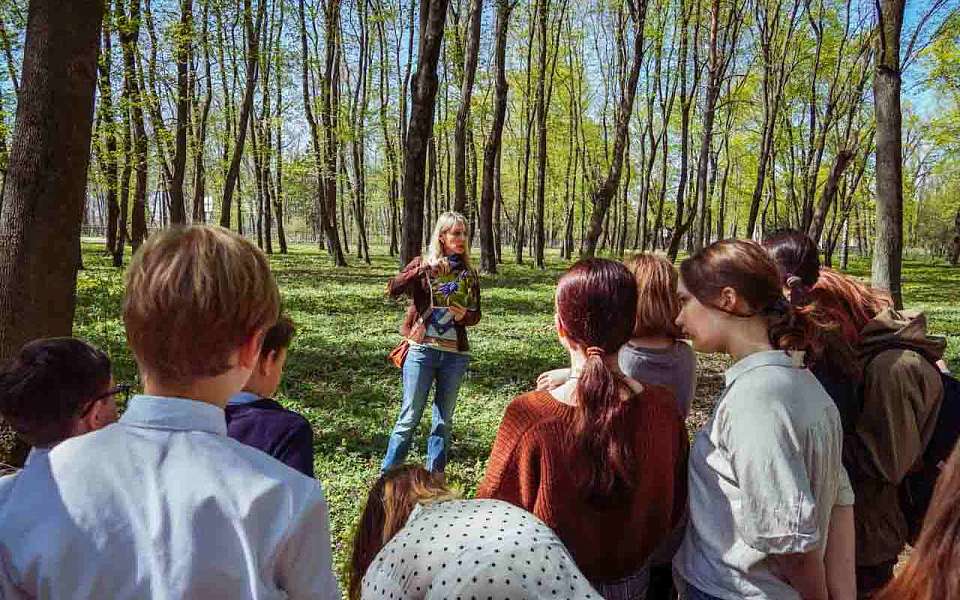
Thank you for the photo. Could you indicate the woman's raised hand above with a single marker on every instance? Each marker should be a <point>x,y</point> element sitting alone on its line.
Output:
<point>440,266</point>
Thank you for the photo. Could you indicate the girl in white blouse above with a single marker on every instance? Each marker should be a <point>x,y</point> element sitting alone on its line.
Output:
<point>415,541</point>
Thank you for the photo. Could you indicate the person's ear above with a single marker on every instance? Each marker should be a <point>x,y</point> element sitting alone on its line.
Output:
<point>268,363</point>
<point>248,354</point>
<point>88,422</point>
<point>95,418</point>
<point>558,324</point>
<point>561,331</point>
<point>728,299</point>
<point>263,365</point>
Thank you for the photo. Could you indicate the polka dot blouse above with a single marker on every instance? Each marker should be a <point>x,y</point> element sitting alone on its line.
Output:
<point>474,550</point>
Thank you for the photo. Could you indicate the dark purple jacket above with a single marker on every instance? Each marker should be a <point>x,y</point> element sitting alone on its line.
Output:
<point>281,433</point>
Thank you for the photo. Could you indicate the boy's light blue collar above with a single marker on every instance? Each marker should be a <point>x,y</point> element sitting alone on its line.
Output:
<point>177,414</point>
<point>243,397</point>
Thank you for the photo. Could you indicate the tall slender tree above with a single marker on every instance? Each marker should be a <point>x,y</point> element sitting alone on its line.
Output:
<point>463,114</point>
<point>183,51</point>
<point>252,30</point>
<point>491,149</point>
<point>888,243</point>
<point>605,193</point>
<point>433,14</point>
<point>329,112</point>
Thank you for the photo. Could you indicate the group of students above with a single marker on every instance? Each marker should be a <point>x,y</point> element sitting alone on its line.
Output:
<point>791,489</point>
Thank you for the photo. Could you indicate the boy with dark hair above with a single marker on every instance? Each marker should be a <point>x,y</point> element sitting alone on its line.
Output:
<point>256,419</point>
<point>57,388</point>
<point>163,504</point>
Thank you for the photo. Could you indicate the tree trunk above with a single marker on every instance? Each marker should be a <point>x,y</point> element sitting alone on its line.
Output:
<point>329,111</point>
<point>604,194</point>
<point>776,45</point>
<point>47,177</point>
<point>888,245</point>
<point>326,231</point>
<point>109,128</point>
<point>686,100</point>
<point>359,133</point>
<point>543,10</point>
<point>463,115</point>
<point>829,194</point>
<point>182,54</point>
<point>199,167</point>
<point>955,254</point>
<point>253,32</point>
<point>388,141</point>
<point>721,54</point>
<point>129,30</point>
<point>491,150</point>
<point>433,14</point>
<point>150,86</point>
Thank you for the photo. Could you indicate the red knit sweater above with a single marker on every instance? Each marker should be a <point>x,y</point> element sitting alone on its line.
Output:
<point>532,465</point>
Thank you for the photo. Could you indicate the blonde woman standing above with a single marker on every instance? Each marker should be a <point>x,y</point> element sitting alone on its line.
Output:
<point>445,290</point>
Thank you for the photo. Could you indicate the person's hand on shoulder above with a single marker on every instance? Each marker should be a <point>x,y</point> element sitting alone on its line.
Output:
<point>551,380</point>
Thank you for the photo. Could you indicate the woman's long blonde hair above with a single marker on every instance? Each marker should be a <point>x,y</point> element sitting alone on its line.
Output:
<point>389,504</point>
<point>445,222</point>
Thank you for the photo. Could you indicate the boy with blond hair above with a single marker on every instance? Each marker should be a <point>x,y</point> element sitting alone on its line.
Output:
<point>163,504</point>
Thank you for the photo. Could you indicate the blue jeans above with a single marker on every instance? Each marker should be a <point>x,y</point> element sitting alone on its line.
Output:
<point>422,366</point>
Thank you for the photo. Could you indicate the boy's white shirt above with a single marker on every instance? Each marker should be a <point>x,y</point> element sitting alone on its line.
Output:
<point>163,504</point>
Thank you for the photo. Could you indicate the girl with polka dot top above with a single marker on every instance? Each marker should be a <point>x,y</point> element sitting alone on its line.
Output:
<point>416,540</point>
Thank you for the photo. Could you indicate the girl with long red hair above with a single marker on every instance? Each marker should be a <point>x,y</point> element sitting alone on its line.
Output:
<point>602,458</point>
<point>933,569</point>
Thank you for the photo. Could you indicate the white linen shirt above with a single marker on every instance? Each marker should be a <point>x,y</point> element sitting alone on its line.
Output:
<point>163,505</point>
<point>765,473</point>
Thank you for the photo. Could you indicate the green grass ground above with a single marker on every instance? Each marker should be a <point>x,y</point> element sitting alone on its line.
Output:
<point>337,374</point>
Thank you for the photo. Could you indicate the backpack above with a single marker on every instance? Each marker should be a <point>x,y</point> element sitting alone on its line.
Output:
<point>916,489</point>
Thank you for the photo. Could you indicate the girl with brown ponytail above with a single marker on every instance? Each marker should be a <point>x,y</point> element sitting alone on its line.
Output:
<point>765,471</point>
<point>602,458</point>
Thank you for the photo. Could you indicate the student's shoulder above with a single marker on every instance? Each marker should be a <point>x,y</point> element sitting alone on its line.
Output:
<point>531,408</point>
<point>295,419</point>
<point>685,351</point>
<point>535,416</point>
<point>258,465</point>
<point>282,414</point>
<point>270,410</point>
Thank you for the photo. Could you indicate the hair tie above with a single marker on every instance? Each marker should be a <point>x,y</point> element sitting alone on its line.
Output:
<point>793,281</point>
<point>596,351</point>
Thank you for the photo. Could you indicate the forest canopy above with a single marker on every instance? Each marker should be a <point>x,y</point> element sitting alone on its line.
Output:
<point>287,120</point>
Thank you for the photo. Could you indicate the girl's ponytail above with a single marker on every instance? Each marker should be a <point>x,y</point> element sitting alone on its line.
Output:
<point>596,303</point>
<point>602,438</point>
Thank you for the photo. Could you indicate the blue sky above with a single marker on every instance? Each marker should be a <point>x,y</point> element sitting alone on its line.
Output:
<point>922,100</point>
